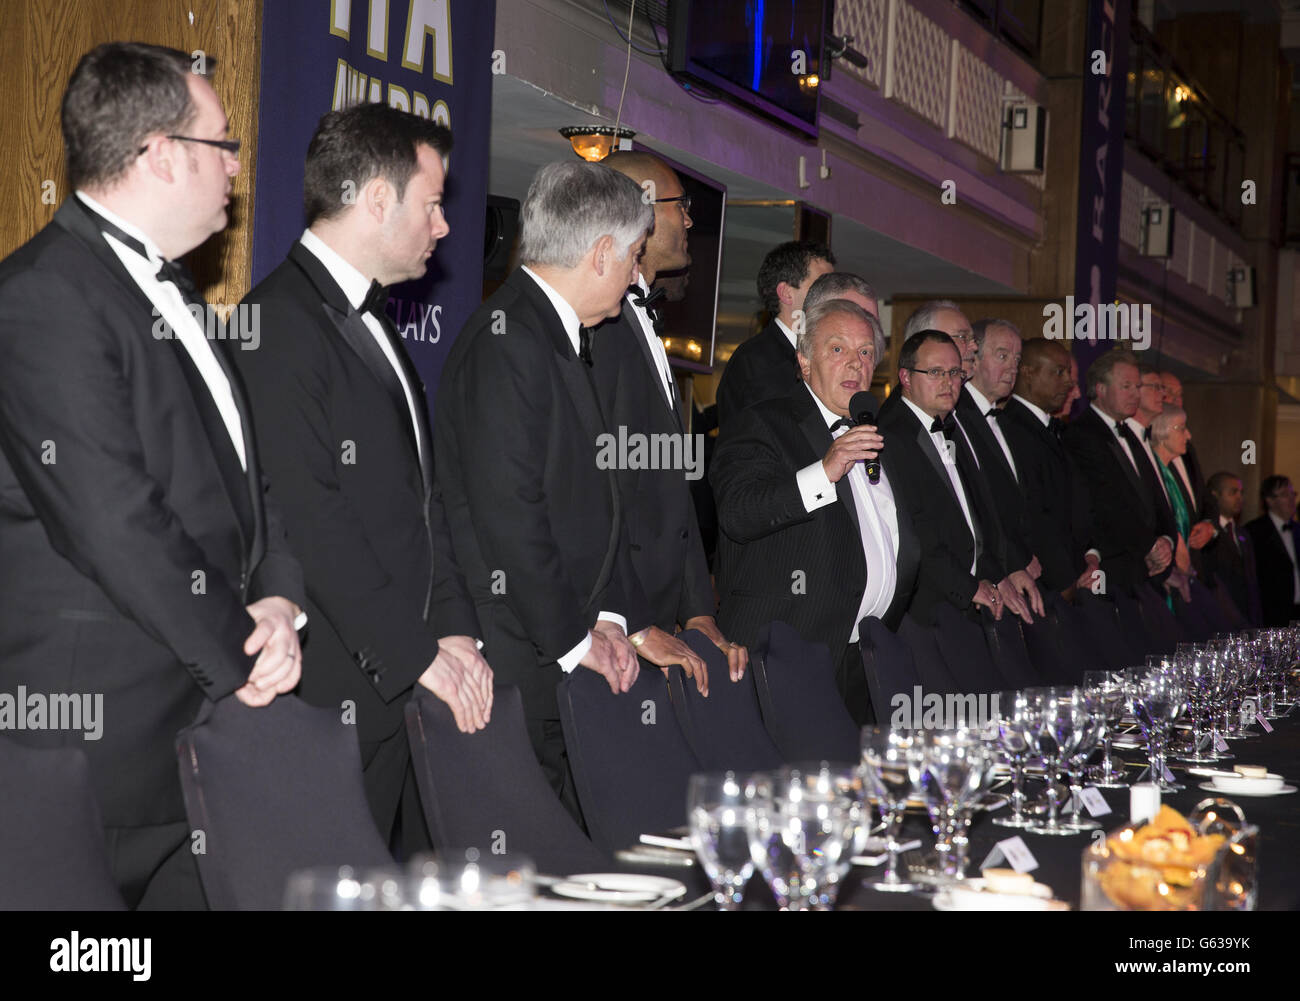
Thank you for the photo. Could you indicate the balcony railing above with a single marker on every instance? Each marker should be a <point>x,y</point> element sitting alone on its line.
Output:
<point>1175,125</point>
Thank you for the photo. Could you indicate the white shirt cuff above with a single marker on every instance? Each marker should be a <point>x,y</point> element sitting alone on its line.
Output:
<point>815,487</point>
<point>299,621</point>
<point>614,617</point>
<point>1092,552</point>
<point>570,660</point>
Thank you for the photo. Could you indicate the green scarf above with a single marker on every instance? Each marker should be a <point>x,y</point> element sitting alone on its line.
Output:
<point>1181,515</point>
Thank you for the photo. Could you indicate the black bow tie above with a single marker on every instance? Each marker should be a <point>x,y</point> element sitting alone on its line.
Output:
<point>647,301</point>
<point>1057,427</point>
<point>843,422</point>
<point>179,275</point>
<point>945,426</point>
<point>1146,433</point>
<point>993,412</point>
<point>376,299</point>
<point>171,271</point>
<point>584,345</point>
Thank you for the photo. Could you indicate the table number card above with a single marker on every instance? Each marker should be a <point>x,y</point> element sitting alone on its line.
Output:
<point>1015,851</point>
<point>1259,718</point>
<point>1220,744</point>
<point>1094,802</point>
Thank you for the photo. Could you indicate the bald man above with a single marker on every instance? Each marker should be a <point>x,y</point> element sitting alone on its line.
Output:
<point>637,391</point>
<point>1056,506</point>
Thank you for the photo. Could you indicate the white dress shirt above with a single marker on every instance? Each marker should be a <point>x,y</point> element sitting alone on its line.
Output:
<point>985,406</point>
<point>1139,429</point>
<point>355,285</point>
<point>1288,541</point>
<point>173,308</point>
<point>1043,416</point>
<point>949,456</point>
<point>569,318</point>
<point>656,345</point>
<point>877,517</point>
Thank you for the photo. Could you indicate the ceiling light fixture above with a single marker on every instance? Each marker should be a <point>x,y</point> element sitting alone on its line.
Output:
<point>595,142</point>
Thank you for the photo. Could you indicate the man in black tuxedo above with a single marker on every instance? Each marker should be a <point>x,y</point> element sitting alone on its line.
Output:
<point>1229,557</point>
<point>765,366</point>
<point>343,425</point>
<point>1277,551</point>
<point>962,550</point>
<point>1131,521</point>
<point>142,559</point>
<point>807,539</point>
<point>992,378</point>
<point>1055,500</point>
<point>638,392</point>
<point>522,448</point>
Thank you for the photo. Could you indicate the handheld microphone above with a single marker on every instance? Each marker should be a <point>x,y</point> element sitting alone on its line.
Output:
<point>862,408</point>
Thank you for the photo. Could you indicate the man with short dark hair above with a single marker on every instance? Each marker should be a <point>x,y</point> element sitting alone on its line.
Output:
<point>807,538</point>
<point>142,557</point>
<point>765,366</point>
<point>1229,557</point>
<point>962,549</point>
<point>1132,525</point>
<point>343,423</point>
<point>1277,551</point>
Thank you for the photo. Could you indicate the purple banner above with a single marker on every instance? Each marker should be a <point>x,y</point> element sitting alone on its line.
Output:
<point>430,57</point>
<point>1101,168</point>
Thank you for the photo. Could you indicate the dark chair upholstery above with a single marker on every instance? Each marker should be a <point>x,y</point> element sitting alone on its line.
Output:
<point>52,851</point>
<point>1162,628</point>
<point>273,790</point>
<point>1100,617</point>
<point>1047,642</point>
<point>1007,648</point>
<point>726,729</point>
<point>631,763</point>
<point>1079,649</point>
<point>485,790</point>
<point>1134,626</point>
<point>1202,618</point>
<point>888,663</point>
<point>931,670</point>
<point>802,708</point>
<point>965,651</point>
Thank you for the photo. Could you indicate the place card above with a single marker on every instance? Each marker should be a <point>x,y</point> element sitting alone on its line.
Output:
<point>1167,774</point>
<point>1094,802</point>
<point>1143,801</point>
<point>1015,851</point>
<point>1259,718</point>
<point>1220,744</point>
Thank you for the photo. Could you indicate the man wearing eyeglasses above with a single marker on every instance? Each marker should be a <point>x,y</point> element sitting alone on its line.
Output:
<point>962,549</point>
<point>1277,551</point>
<point>142,559</point>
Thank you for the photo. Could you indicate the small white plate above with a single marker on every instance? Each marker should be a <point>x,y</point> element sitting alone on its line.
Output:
<point>619,887</point>
<point>971,896</point>
<point>1235,791</point>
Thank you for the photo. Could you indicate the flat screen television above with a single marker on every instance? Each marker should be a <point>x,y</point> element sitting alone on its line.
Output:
<point>765,55</point>
<point>689,311</point>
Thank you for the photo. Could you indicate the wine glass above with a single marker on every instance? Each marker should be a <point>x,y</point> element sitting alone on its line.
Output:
<point>1106,689</point>
<point>951,770</point>
<point>719,806</point>
<point>1158,699</point>
<point>801,833</point>
<point>1087,731</point>
<point>1013,737</point>
<point>1054,714</point>
<point>885,767</point>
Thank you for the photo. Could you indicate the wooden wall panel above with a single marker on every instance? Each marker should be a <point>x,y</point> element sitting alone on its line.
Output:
<point>40,43</point>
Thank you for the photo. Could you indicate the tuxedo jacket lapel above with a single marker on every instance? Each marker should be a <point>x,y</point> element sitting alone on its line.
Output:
<point>634,323</point>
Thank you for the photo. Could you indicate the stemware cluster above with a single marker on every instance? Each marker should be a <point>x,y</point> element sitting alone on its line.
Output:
<point>799,827</point>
